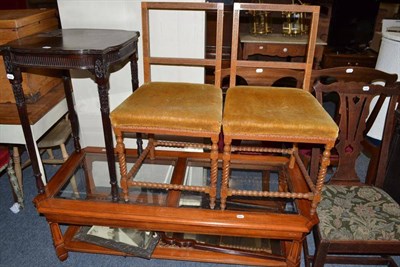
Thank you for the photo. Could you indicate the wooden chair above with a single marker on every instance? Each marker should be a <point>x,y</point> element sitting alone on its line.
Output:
<point>271,114</point>
<point>172,109</point>
<point>348,74</point>
<point>7,163</point>
<point>355,218</point>
<point>57,137</point>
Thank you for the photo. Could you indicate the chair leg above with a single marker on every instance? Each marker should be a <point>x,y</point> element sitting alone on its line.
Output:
<point>325,160</point>
<point>120,148</point>
<point>214,171</point>
<point>314,164</point>
<point>320,254</point>
<point>14,183</point>
<point>17,167</point>
<point>306,253</point>
<point>50,153</point>
<point>225,172</point>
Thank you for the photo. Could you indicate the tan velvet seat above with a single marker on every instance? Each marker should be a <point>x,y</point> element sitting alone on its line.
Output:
<point>172,109</point>
<point>287,114</point>
<point>163,107</point>
<point>275,114</point>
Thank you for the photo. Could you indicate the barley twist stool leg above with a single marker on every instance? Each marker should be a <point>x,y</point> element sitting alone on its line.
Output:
<point>225,172</point>
<point>214,171</point>
<point>120,147</point>
<point>325,161</point>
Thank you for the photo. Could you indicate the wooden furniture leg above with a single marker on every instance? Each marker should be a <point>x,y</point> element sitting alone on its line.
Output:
<point>16,83</point>
<point>58,241</point>
<point>294,253</point>
<point>17,167</point>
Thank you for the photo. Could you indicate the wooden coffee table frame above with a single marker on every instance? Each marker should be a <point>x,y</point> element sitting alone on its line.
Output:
<point>290,228</point>
<point>47,51</point>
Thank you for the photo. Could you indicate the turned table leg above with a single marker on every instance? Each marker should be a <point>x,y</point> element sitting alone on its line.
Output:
<point>58,241</point>
<point>293,252</point>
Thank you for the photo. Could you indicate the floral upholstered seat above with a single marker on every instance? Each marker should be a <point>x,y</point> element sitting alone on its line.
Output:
<point>358,213</point>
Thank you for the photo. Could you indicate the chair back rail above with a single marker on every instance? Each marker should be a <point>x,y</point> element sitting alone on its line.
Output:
<point>259,76</point>
<point>149,60</point>
<point>304,66</point>
<point>357,74</point>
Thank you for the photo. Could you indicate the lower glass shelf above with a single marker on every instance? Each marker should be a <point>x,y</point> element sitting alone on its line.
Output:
<point>193,247</point>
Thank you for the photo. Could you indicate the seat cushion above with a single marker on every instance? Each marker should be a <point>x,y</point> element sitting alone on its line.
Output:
<point>287,114</point>
<point>178,107</point>
<point>358,213</point>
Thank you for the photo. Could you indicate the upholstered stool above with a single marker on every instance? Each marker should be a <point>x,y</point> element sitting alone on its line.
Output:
<point>279,115</point>
<point>172,109</point>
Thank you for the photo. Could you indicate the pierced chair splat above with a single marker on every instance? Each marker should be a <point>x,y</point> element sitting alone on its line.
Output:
<point>330,100</point>
<point>278,115</point>
<point>172,109</point>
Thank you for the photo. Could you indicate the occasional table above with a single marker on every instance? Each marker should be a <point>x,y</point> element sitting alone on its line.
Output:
<point>95,50</point>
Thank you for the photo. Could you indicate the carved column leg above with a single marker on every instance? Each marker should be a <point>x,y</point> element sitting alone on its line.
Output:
<point>325,161</point>
<point>71,109</point>
<point>214,171</point>
<point>15,78</point>
<point>225,171</point>
<point>58,241</point>
<point>102,80</point>
<point>135,85</point>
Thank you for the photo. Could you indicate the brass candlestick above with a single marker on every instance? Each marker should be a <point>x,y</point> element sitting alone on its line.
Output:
<point>260,23</point>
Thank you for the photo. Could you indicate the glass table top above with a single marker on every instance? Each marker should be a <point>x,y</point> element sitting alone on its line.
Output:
<point>90,182</point>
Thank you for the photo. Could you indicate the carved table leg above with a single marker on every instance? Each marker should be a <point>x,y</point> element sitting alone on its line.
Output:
<point>58,241</point>
<point>135,85</point>
<point>102,80</point>
<point>15,78</point>
<point>71,109</point>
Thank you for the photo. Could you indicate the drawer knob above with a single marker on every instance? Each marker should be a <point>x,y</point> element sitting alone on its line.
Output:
<point>285,50</point>
<point>261,47</point>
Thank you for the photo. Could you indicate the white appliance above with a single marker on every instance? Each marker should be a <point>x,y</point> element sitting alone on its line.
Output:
<point>388,61</point>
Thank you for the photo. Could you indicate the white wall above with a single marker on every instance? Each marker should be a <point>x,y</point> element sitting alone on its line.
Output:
<point>185,39</point>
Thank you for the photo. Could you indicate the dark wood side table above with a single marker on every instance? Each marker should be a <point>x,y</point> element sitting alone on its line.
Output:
<point>95,50</point>
<point>332,58</point>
